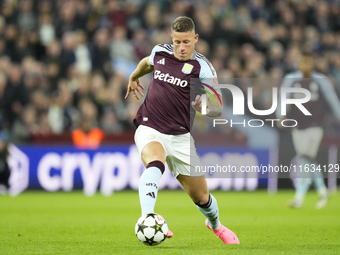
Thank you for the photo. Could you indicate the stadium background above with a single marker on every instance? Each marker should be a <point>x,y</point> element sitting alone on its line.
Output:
<point>64,67</point>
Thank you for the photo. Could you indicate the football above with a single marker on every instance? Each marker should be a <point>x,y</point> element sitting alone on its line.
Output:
<point>151,229</point>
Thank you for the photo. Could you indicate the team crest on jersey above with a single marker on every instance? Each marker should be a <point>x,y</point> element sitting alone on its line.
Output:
<point>187,68</point>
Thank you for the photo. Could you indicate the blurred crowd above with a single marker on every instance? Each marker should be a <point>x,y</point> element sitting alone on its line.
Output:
<point>64,64</point>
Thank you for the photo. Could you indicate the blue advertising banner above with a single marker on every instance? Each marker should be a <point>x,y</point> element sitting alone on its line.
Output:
<point>115,168</point>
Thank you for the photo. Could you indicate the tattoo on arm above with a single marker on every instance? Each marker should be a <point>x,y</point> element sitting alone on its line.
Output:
<point>214,109</point>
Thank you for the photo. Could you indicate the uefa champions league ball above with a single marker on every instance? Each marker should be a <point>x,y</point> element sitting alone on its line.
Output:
<point>151,229</point>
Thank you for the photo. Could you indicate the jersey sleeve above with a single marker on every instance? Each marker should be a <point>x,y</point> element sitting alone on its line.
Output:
<point>329,94</point>
<point>159,47</point>
<point>288,81</point>
<point>208,77</point>
<point>152,55</point>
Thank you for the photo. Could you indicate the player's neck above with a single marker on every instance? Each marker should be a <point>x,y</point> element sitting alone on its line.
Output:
<point>307,75</point>
<point>183,60</point>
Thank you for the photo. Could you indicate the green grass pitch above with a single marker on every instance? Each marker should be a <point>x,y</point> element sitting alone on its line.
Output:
<point>38,222</point>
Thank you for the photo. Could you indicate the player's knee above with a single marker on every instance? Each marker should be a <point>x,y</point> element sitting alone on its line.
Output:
<point>201,199</point>
<point>157,164</point>
<point>152,158</point>
<point>307,157</point>
<point>153,152</point>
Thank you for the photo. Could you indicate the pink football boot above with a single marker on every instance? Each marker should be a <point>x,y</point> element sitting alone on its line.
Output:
<point>170,234</point>
<point>225,234</point>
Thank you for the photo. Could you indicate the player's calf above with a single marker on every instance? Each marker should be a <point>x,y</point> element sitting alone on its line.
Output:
<point>148,186</point>
<point>210,211</point>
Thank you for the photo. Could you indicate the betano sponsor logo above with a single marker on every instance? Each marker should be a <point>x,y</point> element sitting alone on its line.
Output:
<point>158,75</point>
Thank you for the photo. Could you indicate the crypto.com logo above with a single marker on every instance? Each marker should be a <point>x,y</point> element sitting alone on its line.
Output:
<point>238,100</point>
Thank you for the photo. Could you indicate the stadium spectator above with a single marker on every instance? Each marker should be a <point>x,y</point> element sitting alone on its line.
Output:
<point>67,56</point>
<point>46,43</point>
<point>121,47</point>
<point>88,135</point>
<point>4,169</point>
<point>82,53</point>
<point>3,113</point>
<point>85,138</point>
<point>101,60</point>
<point>25,126</point>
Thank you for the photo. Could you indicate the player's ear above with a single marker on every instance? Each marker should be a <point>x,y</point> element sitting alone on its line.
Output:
<point>196,38</point>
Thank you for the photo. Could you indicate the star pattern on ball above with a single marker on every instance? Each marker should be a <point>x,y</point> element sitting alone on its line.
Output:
<point>149,241</point>
<point>141,228</point>
<point>158,227</point>
<point>150,215</point>
<point>151,229</point>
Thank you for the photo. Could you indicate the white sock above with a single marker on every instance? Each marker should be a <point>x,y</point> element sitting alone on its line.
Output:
<point>322,191</point>
<point>210,211</point>
<point>148,186</point>
<point>319,183</point>
<point>303,181</point>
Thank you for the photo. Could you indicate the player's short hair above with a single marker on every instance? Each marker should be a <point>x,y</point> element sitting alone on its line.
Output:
<point>183,24</point>
<point>306,53</point>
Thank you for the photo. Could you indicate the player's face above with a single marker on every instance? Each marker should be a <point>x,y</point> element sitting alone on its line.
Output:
<point>184,44</point>
<point>306,64</point>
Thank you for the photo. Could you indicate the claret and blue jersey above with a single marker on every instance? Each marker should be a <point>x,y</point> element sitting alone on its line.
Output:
<point>167,106</point>
<point>322,94</point>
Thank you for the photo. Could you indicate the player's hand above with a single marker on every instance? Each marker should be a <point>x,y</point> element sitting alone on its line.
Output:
<point>134,86</point>
<point>197,104</point>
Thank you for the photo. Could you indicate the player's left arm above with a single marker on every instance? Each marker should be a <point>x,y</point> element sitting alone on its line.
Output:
<point>330,95</point>
<point>288,81</point>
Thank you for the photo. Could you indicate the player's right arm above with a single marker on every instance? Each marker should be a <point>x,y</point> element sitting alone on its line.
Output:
<point>208,78</point>
<point>329,94</point>
<point>144,67</point>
